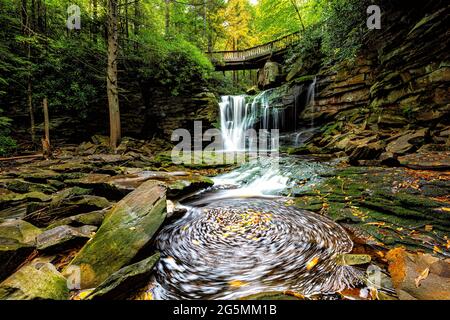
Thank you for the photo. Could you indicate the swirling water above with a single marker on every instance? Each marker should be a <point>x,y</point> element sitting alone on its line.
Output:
<point>241,238</point>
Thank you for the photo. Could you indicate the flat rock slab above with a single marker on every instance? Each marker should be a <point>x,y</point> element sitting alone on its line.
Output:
<point>36,281</point>
<point>437,160</point>
<point>127,228</point>
<point>120,283</point>
<point>63,236</point>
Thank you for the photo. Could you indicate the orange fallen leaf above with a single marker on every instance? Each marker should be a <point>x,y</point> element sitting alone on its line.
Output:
<point>312,263</point>
<point>236,283</point>
<point>436,249</point>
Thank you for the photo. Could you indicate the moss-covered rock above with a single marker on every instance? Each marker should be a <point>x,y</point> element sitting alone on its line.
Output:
<point>391,206</point>
<point>35,282</point>
<point>21,186</point>
<point>17,242</point>
<point>128,228</point>
<point>94,218</point>
<point>120,284</point>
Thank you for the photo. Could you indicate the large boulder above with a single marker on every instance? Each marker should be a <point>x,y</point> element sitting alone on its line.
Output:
<point>128,228</point>
<point>17,241</point>
<point>127,279</point>
<point>36,281</point>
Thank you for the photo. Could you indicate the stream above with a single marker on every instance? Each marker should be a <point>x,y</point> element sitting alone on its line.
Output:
<point>244,235</point>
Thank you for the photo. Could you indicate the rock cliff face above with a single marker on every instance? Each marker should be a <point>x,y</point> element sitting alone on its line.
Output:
<point>167,114</point>
<point>392,100</point>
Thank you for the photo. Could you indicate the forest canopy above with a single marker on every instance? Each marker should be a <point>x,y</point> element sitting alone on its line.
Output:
<point>161,46</point>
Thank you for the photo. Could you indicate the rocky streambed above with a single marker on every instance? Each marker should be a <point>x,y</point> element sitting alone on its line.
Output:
<point>88,225</point>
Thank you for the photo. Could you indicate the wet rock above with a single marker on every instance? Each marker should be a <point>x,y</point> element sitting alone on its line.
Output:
<point>120,284</point>
<point>367,151</point>
<point>14,205</point>
<point>21,186</point>
<point>36,281</point>
<point>66,203</point>
<point>17,241</point>
<point>386,204</point>
<point>94,218</point>
<point>174,209</point>
<point>63,237</point>
<point>427,160</point>
<point>128,228</point>
<point>18,231</point>
<point>72,167</point>
<point>407,142</point>
<point>419,276</point>
<point>101,185</point>
<point>389,159</point>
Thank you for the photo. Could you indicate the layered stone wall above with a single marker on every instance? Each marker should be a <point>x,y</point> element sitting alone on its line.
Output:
<point>394,99</point>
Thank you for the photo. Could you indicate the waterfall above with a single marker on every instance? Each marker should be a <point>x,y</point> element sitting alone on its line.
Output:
<point>240,113</point>
<point>237,116</point>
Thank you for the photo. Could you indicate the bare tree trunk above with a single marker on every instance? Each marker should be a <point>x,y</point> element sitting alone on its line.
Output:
<point>26,31</point>
<point>111,84</point>
<point>167,18</point>
<point>46,147</point>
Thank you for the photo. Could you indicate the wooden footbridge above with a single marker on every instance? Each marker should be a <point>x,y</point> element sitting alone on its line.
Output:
<point>252,58</point>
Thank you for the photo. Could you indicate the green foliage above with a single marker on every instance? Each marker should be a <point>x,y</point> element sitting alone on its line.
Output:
<point>183,66</point>
<point>7,144</point>
<point>343,22</point>
<point>334,31</point>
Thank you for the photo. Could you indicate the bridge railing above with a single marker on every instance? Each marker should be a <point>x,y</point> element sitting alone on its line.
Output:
<point>255,52</point>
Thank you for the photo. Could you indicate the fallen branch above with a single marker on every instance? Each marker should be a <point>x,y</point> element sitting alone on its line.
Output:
<point>23,157</point>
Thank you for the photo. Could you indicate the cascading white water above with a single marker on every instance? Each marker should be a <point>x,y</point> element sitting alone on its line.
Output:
<point>237,116</point>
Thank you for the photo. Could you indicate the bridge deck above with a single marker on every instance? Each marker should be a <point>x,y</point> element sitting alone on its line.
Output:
<point>254,57</point>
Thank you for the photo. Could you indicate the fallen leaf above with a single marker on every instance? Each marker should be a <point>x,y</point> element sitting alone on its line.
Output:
<point>312,263</point>
<point>423,275</point>
<point>236,283</point>
<point>436,249</point>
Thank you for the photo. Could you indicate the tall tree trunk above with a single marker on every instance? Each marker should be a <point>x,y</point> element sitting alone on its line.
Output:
<point>111,84</point>
<point>167,18</point>
<point>26,29</point>
<point>46,147</point>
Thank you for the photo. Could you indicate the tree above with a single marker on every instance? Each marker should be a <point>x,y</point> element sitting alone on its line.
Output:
<point>111,75</point>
